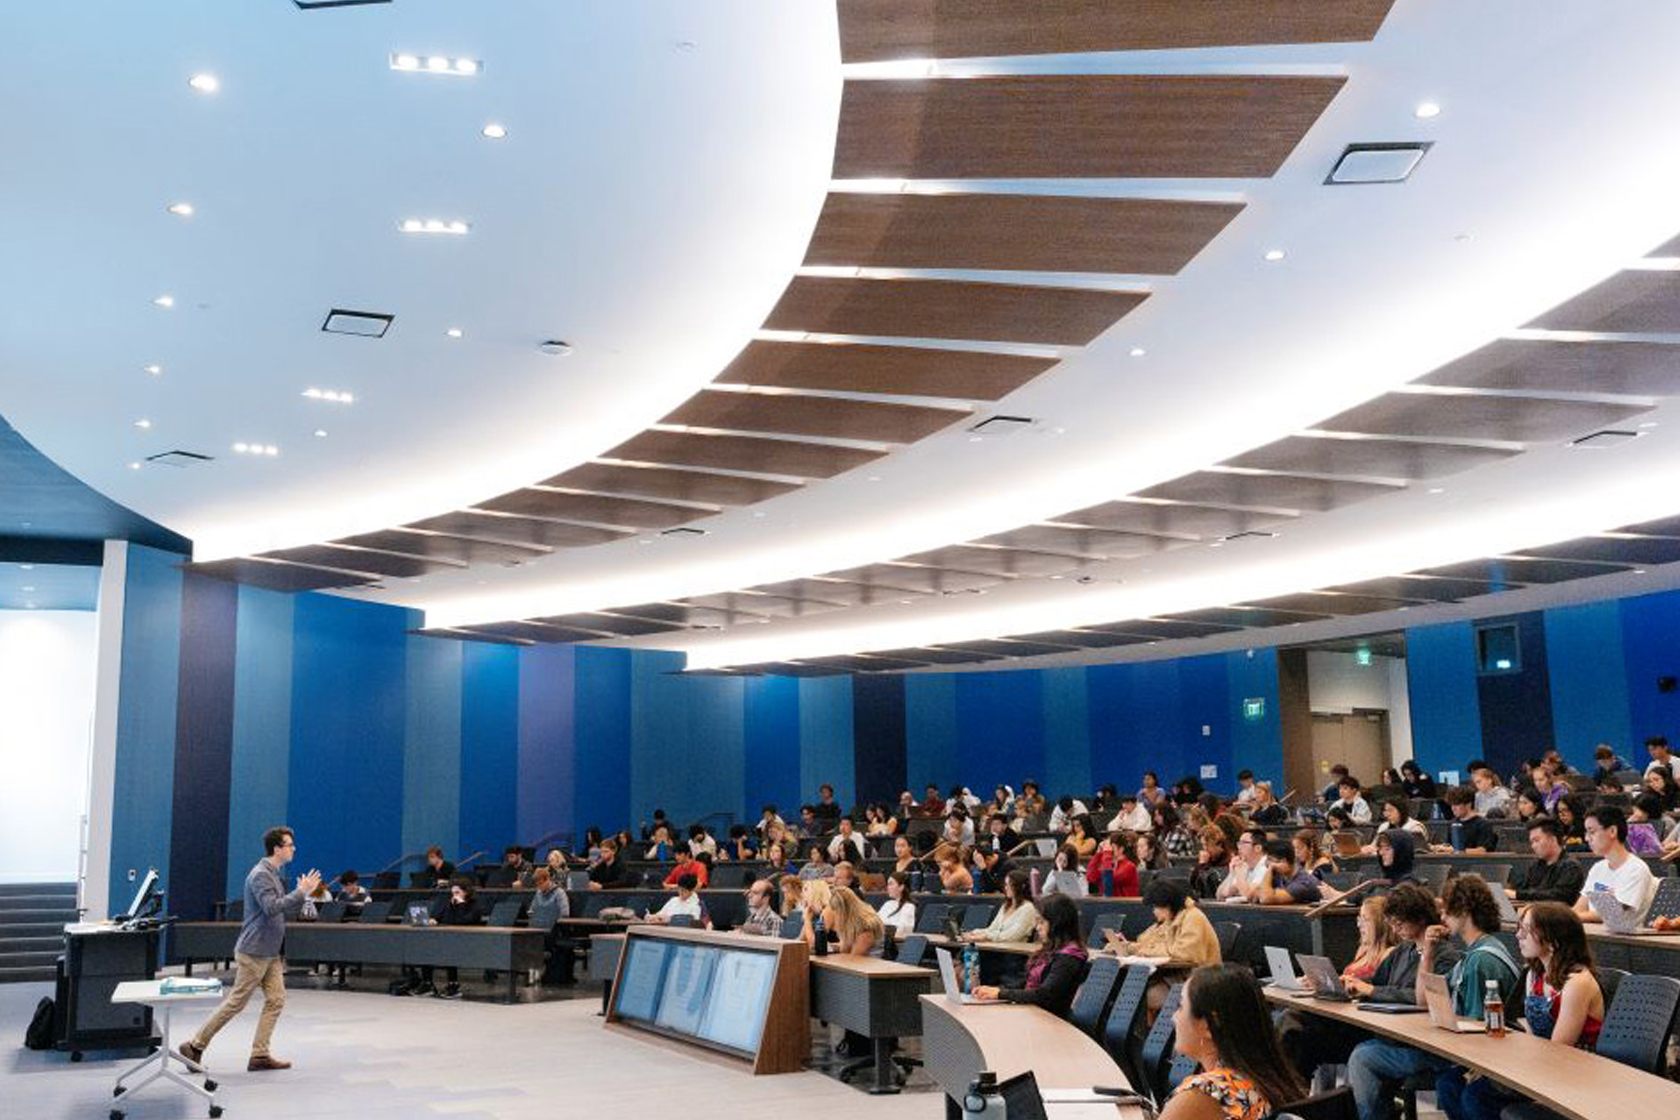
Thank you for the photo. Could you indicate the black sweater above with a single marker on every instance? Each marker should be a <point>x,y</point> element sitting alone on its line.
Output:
<point>1055,989</point>
<point>1553,882</point>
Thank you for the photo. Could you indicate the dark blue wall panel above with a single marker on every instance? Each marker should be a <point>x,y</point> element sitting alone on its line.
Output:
<point>771,733</point>
<point>1000,729</point>
<point>1446,709</point>
<point>930,730</point>
<point>198,851</point>
<point>1589,681</point>
<point>1651,650</point>
<point>827,744</point>
<point>1256,745</point>
<point>489,748</point>
<point>547,742</point>
<point>262,728</point>
<point>878,727</point>
<point>601,765</point>
<point>1516,706</point>
<point>1067,731</point>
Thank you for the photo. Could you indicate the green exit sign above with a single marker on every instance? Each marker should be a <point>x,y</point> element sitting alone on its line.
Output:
<point>1254,710</point>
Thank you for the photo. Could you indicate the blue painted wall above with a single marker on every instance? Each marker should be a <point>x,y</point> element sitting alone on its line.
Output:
<point>1446,706</point>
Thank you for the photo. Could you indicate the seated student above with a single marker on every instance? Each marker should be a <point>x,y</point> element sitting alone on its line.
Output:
<point>686,865</point>
<point>610,872</point>
<point>989,867</point>
<point>1617,870</point>
<point>1493,800</point>
<point>1222,1024</point>
<point>1067,808</point>
<point>1351,801</point>
<point>1181,932</point>
<point>1245,787</point>
<point>686,903</point>
<point>556,864</point>
<point>1472,917</point>
<point>827,810</point>
<point>1396,815</point>
<point>858,930</point>
<point>1054,972</point>
<point>1659,781</point>
<point>845,875</point>
<point>1286,884</point>
<point>648,830</point>
<point>1550,785</point>
<point>1554,876</point>
<point>1148,853</point>
<point>1606,764</point>
<point>846,844</point>
<point>1376,940</point>
<point>932,805</point>
<point>1134,815</point>
<point>817,866</point>
<point>958,828</point>
<point>1414,781</point>
<point>1179,840</point>
<point>1531,803</point>
<point>700,840</point>
<point>548,905</point>
<point>1474,835</point>
<point>1064,876</point>
<point>1081,836</point>
<point>740,844</point>
<point>767,817</point>
<point>809,825</point>
<point>1213,862</point>
<point>1248,867</point>
<point>1642,837</point>
<point>1396,857</point>
<point>461,910</point>
<point>904,855</point>
<point>442,871</point>
<point>762,919</point>
<point>899,911</point>
<point>1265,809</point>
<point>878,822</point>
<point>954,877</point>
<point>1115,856</point>
<point>778,862</point>
<point>1572,815</point>
<point>660,847</point>
<point>352,893</point>
<point>1016,919</point>
<point>1564,1003</point>
<point>1333,791</point>
<point>515,867</point>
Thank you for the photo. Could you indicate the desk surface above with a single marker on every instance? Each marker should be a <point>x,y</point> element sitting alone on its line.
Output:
<point>150,992</point>
<point>1574,1082</point>
<point>872,967</point>
<point>1669,942</point>
<point>1017,948</point>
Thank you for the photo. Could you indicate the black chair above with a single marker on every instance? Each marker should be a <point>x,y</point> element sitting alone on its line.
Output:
<point>1637,1023</point>
<point>1156,1054</point>
<point>680,921</point>
<point>1114,920</point>
<point>912,949</point>
<point>1092,1000</point>
<point>1609,981</point>
<point>793,925</point>
<point>1120,1029</point>
<point>1342,880</point>
<point>506,912</point>
<point>1227,933</point>
<point>978,915</point>
<point>1495,874</point>
<point>1432,875</point>
<point>386,880</point>
<point>235,910</point>
<point>1337,1104</point>
<point>930,918</point>
<point>330,911</point>
<point>496,877</point>
<point>1666,902</point>
<point>375,912</point>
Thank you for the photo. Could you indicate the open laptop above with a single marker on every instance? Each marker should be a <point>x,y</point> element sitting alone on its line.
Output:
<point>1349,843</point>
<point>1618,917</point>
<point>1283,970</point>
<point>419,914</point>
<point>1440,1004</point>
<point>1507,909</point>
<point>953,990</point>
<point>1326,981</point>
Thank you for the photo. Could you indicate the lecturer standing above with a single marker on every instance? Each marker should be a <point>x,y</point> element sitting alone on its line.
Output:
<point>257,952</point>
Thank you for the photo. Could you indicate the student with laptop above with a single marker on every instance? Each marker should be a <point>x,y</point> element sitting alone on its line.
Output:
<point>1472,917</point>
<point>1397,856</point>
<point>1564,1003</point>
<point>1554,876</point>
<point>1223,1025</point>
<point>1396,815</point>
<point>1351,801</point>
<point>1054,972</point>
<point>461,910</point>
<point>1471,833</point>
<point>1286,883</point>
<point>1618,870</point>
<point>1017,918</point>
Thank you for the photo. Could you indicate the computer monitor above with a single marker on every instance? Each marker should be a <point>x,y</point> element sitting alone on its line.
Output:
<point>143,898</point>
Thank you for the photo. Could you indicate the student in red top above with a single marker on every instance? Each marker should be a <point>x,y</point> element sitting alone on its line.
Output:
<point>687,865</point>
<point>1117,853</point>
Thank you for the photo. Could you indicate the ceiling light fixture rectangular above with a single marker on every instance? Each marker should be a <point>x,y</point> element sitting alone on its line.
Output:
<point>453,227</point>
<point>1376,163</point>
<point>412,63</point>
<point>311,5</point>
<point>368,324</point>
<point>333,396</point>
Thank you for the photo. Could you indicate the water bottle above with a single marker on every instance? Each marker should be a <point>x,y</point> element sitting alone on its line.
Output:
<point>971,968</point>
<point>983,1098</point>
<point>974,883</point>
<point>1493,1010</point>
<point>819,936</point>
<point>1036,880</point>
<point>1108,882</point>
<point>662,852</point>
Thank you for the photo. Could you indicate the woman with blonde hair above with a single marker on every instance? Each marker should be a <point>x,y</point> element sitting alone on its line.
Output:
<point>855,923</point>
<point>1376,940</point>
<point>954,875</point>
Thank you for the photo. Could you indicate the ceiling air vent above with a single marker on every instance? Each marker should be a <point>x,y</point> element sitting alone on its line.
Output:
<point>368,324</point>
<point>1249,535</point>
<point>1608,437</point>
<point>179,459</point>
<point>1002,425</point>
<point>311,5</point>
<point>1376,163</point>
<point>683,531</point>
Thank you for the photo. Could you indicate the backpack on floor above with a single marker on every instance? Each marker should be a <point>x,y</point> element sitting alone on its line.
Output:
<point>39,1036</point>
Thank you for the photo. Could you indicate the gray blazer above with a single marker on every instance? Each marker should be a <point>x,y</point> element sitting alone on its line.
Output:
<point>266,907</point>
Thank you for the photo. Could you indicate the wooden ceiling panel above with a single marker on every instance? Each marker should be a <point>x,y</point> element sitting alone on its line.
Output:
<point>1325,602</point>
<point>826,417</point>
<point>611,624</point>
<point>831,591</point>
<point>1090,126</point>
<point>1080,542</point>
<point>1504,572</point>
<point>557,505</point>
<point>956,309</point>
<point>275,575</point>
<point>1087,639</point>
<point>744,453</point>
<point>661,482</point>
<point>531,631</point>
<point>359,560</point>
<point>927,581</point>
<point>462,550</point>
<point>885,30</point>
<point>1247,616</point>
<point>1023,232</point>
<point>1164,628</point>
<point>1612,550</point>
<point>1201,522</point>
<point>1271,491</point>
<point>997,561</point>
<point>1371,458</point>
<point>1632,302</point>
<point>910,371</point>
<point>1009,647</point>
<point>1641,369</point>
<point>1433,589</point>
<point>1460,416</point>
<point>518,530</point>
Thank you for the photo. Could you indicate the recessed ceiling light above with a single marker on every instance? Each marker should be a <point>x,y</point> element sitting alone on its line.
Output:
<point>466,66</point>
<point>164,301</point>
<point>1649,424</point>
<point>874,478</point>
<point>205,83</point>
<point>333,396</point>
<point>1437,489</point>
<point>436,64</point>
<point>28,588</point>
<point>1426,110</point>
<point>26,567</point>
<point>320,433</point>
<point>181,209</point>
<point>1274,254</point>
<point>555,348</point>
<point>142,423</point>
<point>154,369</point>
<point>433,225</point>
<point>495,132</point>
<point>454,332</point>
<point>1138,351</point>
<point>134,466</point>
<point>263,449</point>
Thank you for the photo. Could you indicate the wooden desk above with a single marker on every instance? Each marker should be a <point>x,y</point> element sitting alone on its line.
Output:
<point>875,998</point>
<point>1657,953</point>
<point>959,1041</point>
<point>1578,1084</point>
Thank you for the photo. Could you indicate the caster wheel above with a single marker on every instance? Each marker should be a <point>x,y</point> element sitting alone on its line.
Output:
<point>209,1085</point>
<point>75,1055</point>
<point>215,1111</point>
<point>116,1114</point>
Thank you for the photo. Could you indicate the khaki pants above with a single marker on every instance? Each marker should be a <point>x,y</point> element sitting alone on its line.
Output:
<point>270,973</point>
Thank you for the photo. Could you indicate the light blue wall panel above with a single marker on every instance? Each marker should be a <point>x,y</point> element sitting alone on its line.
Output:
<point>1067,731</point>
<point>771,744</point>
<point>1000,729</point>
<point>930,730</point>
<point>489,748</point>
<point>825,738</point>
<point>547,742</point>
<point>431,778</point>
<point>1589,682</point>
<point>603,719</point>
<point>262,727</point>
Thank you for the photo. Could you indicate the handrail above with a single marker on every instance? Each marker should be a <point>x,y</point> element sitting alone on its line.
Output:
<point>463,864</point>
<point>399,861</point>
<point>559,834</point>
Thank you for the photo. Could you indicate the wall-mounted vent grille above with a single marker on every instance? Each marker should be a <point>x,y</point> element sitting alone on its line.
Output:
<point>683,531</point>
<point>1249,535</point>
<point>311,5</point>
<point>1376,163</point>
<point>1002,425</point>
<point>1607,437</point>
<point>368,324</point>
<point>179,459</point>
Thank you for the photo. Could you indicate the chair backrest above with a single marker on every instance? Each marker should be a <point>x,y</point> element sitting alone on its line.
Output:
<point>931,917</point>
<point>1496,874</point>
<point>1120,1028</point>
<point>1337,1104</point>
<point>912,949</point>
<point>1609,980</point>
<point>1342,880</point>
<point>331,911</point>
<point>1432,875</point>
<point>234,910</point>
<point>1181,1068</point>
<point>1113,919</point>
<point>978,915</point>
<point>1091,1001</point>
<point>1157,1051</point>
<point>1666,902</point>
<point>1227,933</point>
<point>375,912</point>
<point>506,912</point>
<point>680,920</point>
<point>1638,1021</point>
<point>794,925</point>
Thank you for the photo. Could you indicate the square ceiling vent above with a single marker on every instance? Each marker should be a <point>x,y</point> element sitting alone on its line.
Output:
<point>1002,425</point>
<point>1376,163</point>
<point>311,5</point>
<point>368,324</point>
<point>1607,437</point>
<point>178,459</point>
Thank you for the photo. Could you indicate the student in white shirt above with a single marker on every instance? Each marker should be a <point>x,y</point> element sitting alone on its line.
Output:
<point>1245,786</point>
<point>1618,870</point>
<point>898,911</point>
<point>1493,800</point>
<point>1061,817</point>
<point>1660,756</point>
<point>685,902</point>
<point>1358,809</point>
<point>1133,817</point>
<point>1249,870</point>
<point>846,844</point>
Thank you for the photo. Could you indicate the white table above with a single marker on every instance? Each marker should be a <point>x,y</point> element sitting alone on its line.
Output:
<point>151,992</point>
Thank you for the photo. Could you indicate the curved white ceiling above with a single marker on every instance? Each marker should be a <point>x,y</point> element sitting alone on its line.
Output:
<point>664,165</point>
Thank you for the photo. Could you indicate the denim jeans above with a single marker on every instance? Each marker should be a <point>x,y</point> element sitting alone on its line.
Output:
<point>1479,1099</point>
<point>1376,1065</point>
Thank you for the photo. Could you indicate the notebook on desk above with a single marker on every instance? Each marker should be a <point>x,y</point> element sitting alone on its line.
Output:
<point>1440,1004</point>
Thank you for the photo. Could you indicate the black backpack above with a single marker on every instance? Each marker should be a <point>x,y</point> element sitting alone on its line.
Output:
<point>39,1036</point>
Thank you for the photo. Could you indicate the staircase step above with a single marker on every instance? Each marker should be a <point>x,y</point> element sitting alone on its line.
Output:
<point>12,903</point>
<point>30,944</point>
<point>34,916</point>
<point>29,960</point>
<point>28,974</point>
<point>34,929</point>
<point>66,887</point>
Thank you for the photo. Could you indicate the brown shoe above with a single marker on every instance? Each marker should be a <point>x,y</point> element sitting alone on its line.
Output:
<point>266,1062</point>
<point>193,1054</point>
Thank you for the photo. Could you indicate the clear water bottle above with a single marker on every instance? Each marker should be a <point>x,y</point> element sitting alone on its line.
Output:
<point>983,1098</point>
<point>819,936</point>
<point>1493,1010</point>
<point>971,968</point>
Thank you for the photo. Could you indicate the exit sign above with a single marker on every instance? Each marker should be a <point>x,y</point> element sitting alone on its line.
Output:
<point>1254,710</point>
